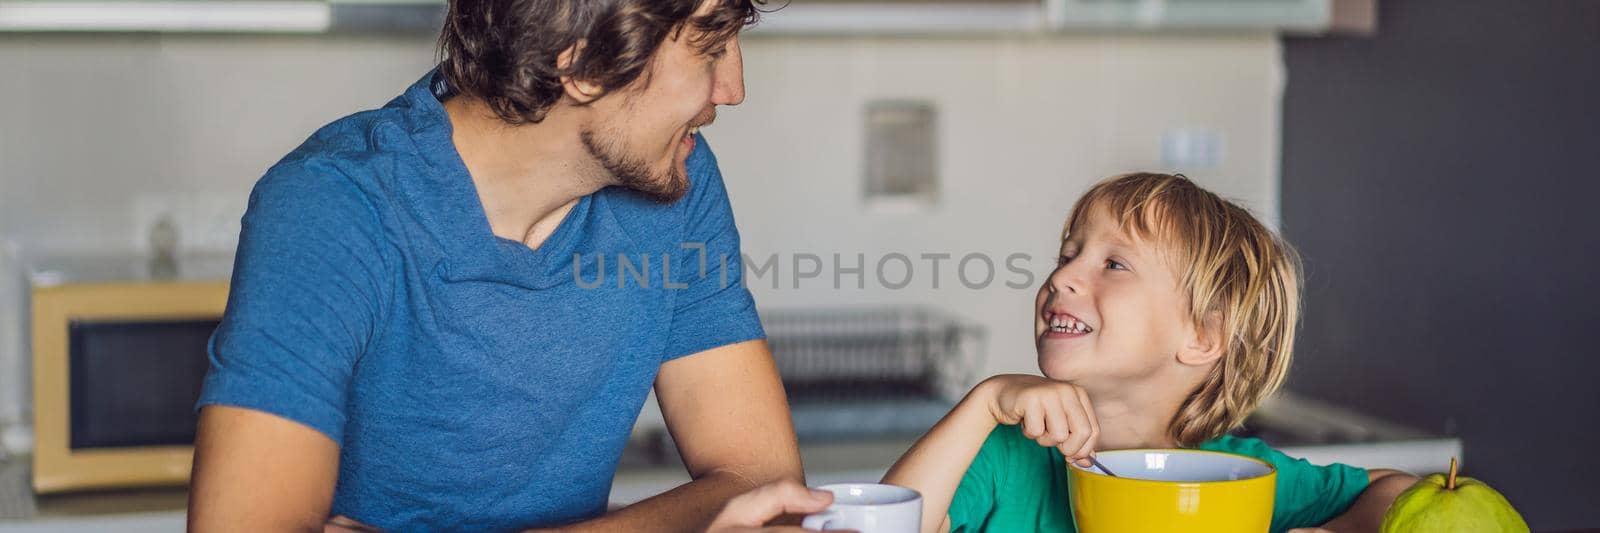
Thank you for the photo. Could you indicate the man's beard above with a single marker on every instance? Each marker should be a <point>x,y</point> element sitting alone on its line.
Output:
<point>664,187</point>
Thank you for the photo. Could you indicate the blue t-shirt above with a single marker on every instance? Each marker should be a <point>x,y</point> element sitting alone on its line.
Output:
<point>471,382</point>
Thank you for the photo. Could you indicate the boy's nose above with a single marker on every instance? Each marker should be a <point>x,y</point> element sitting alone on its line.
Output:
<point>1065,281</point>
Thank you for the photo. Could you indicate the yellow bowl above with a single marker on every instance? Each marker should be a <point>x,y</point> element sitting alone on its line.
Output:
<point>1191,491</point>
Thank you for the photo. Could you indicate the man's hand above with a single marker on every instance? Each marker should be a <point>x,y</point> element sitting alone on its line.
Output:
<point>749,512</point>
<point>1052,413</point>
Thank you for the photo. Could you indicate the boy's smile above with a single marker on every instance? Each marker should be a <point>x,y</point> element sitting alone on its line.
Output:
<point>1064,325</point>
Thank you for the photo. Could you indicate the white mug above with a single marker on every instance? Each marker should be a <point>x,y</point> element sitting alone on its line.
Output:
<point>869,508</point>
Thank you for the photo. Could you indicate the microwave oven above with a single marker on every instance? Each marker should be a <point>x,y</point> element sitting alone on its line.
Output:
<point>119,351</point>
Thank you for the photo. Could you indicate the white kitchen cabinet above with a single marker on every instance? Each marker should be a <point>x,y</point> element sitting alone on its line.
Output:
<point>796,17</point>
<point>188,16</point>
<point>1045,16</point>
<point>1295,15</point>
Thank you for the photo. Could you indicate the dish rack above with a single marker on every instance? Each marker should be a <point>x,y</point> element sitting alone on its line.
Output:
<point>872,372</point>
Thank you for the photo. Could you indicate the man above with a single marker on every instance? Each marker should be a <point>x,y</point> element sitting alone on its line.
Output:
<point>415,337</point>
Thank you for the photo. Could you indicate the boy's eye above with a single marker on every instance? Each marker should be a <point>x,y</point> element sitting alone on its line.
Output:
<point>1063,260</point>
<point>1113,264</point>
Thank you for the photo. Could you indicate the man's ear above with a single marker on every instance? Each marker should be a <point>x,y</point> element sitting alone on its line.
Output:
<point>583,91</point>
<point>1206,343</point>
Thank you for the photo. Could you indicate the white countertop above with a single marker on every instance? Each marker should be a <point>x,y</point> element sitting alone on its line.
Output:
<point>825,463</point>
<point>868,460</point>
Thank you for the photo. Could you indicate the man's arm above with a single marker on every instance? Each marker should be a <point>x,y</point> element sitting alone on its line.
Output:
<point>255,471</point>
<point>726,410</point>
<point>1366,514</point>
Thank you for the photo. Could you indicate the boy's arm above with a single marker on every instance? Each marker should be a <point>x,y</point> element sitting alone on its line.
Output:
<point>1052,413</point>
<point>935,465</point>
<point>1366,514</point>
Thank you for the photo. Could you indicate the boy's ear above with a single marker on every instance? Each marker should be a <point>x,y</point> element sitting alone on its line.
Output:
<point>1206,342</point>
<point>583,91</point>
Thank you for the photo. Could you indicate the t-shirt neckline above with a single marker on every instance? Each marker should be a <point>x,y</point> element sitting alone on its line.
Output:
<point>449,199</point>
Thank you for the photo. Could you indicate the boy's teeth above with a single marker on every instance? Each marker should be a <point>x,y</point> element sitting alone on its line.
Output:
<point>694,130</point>
<point>1068,324</point>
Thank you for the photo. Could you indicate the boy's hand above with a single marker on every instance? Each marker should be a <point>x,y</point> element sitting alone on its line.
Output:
<point>1053,413</point>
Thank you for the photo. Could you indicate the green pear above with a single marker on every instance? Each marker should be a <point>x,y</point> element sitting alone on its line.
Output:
<point>1440,503</point>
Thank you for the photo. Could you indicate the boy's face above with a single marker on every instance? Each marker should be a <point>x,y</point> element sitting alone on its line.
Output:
<point>1111,312</point>
<point>643,136</point>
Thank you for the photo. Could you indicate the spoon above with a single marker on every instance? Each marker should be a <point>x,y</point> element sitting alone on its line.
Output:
<point>1101,466</point>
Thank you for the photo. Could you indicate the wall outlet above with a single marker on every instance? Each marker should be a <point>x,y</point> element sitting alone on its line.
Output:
<point>16,439</point>
<point>206,221</point>
<point>1190,149</point>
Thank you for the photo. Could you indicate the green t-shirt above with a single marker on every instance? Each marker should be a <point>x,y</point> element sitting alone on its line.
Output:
<point>1014,484</point>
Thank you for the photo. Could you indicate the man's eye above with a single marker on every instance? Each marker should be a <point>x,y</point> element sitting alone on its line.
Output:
<point>1063,260</point>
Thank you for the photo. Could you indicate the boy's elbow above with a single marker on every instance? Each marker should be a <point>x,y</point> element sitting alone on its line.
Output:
<point>1377,474</point>
<point>1386,485</point>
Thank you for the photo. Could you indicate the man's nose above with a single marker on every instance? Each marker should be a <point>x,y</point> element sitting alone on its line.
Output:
<point>728,88</point>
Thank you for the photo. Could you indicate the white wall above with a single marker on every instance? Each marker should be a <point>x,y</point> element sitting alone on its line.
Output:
<point>97,132</point>
<point>1024,127</point>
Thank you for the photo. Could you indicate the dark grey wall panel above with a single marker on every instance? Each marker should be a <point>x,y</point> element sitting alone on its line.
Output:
<point>1442,180</point>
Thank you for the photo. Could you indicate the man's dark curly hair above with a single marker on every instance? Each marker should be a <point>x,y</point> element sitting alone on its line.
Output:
<point>504,51</point>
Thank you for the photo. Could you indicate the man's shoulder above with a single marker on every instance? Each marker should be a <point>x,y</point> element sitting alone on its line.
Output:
<point>353,158</point>
<point>339,181</point>
<point>362,138</point>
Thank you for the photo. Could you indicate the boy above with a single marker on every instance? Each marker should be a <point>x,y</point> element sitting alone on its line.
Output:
<point>1175,311</point>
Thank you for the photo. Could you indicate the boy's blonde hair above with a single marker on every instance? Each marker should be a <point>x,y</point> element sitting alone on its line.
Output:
<point>1233,270</point>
